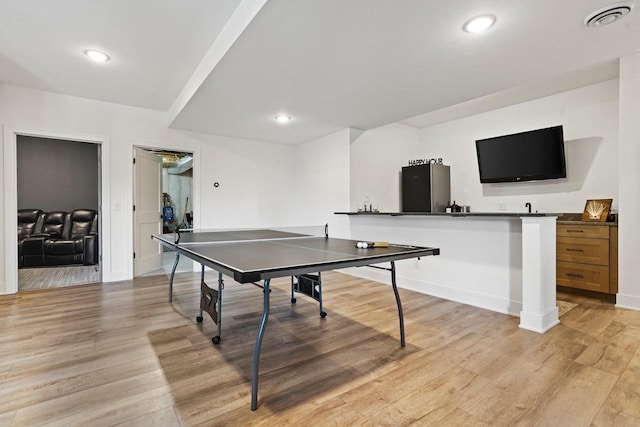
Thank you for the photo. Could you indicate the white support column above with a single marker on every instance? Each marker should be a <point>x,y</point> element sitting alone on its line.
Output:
<point>539,312</point>
<point>628,183</point>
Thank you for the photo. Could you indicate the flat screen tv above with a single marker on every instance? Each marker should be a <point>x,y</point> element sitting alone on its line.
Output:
<point>524,156</point>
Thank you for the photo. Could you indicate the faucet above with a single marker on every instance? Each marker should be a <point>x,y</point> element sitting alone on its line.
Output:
<point>528,205</point>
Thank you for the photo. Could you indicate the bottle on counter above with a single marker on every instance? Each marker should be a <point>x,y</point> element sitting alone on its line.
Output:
<point>455,207</point>
<point>447,209</point>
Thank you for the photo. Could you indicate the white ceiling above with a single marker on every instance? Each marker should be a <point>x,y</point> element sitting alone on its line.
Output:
<point>228,67</point>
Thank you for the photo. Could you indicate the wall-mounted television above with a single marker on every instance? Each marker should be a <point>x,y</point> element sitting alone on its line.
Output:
<point>525,156</point>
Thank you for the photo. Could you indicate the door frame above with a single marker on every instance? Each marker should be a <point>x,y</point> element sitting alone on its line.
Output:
<point>195,185</point>
<point>10,184</point>
<point>139,153</point>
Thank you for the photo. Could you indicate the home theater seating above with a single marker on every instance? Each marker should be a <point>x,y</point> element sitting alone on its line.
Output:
<point>57,238</point>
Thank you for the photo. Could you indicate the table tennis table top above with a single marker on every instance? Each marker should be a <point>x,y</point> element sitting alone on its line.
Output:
<point>252,255</point>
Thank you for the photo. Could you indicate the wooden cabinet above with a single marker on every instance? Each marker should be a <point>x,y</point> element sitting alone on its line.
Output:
<point>587,257</point>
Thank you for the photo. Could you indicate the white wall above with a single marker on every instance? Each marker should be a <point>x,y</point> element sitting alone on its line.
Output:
<point>120,127</point>
<point>255,183</point>
<point>321,182</point>
<point>260,184</point>
<point>590,119</point>
<point>377,157</point>
<point>256,178</point>
<point>3,198</point>
<point>481,259</point>
<point>263,184</point>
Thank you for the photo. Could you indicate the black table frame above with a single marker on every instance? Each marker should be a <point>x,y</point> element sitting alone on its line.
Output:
<point>266,276</point>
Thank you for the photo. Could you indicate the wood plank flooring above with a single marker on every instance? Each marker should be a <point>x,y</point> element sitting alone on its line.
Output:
<point>119,354</point>
<point>57,277</point>
<point>62,276</point>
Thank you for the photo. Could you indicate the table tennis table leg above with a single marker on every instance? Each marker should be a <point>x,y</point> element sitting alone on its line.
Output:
<point>199,318</point>
<point>256,349</point>
<point>173,273</point>
<point>218,337</point>
<point>323,314</point>
<point>395,291</point>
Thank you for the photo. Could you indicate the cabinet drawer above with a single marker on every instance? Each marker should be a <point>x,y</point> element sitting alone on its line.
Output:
<point>588,251</point>
<point>582,276</point>
<point>589,231</point>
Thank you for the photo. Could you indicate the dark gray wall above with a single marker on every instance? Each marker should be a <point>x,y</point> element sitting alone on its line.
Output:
<point>57,175</point>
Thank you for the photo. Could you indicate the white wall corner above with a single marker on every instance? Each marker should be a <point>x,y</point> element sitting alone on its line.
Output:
<point>354,134</point>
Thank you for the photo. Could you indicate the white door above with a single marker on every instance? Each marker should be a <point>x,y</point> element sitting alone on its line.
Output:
<point>147,213</point>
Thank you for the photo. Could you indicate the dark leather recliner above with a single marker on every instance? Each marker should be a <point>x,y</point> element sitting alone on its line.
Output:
<point>60,238</point>
<point>73,238</point>
<point>53,224</point>
<point>27,224</point>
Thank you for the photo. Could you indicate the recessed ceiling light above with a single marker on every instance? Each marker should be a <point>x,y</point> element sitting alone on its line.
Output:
<point>283,118</point>
<point>96,55</point>
<point>479,23</point>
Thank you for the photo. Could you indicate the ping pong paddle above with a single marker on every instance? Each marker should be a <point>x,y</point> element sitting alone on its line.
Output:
<point>366,245</point>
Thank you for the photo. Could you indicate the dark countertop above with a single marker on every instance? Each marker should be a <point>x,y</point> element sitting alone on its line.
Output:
<point>589,223</point>
<point>452,214</point>
<point>563,218</point>
<point>576,219</point>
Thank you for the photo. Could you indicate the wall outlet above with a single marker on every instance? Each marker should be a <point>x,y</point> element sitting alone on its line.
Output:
<point>502,206</point>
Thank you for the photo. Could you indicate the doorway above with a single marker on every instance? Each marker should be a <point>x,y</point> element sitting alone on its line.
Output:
<point>58,200</point>
<point>163,202</point>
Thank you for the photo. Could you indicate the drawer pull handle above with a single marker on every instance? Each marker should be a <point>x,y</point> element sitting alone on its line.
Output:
<point>580,276</point>
<point>575,250</point>
<point>575,231</point>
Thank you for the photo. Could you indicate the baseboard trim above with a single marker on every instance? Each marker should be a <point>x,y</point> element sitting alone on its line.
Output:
<point>487,302</point>
<point>630,302</point>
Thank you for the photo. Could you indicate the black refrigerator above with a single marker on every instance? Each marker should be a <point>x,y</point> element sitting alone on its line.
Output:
<point>425,188</point>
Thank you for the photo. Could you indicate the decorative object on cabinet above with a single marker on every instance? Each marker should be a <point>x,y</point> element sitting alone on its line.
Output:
<point>596,210</point>
<point>587,256</point>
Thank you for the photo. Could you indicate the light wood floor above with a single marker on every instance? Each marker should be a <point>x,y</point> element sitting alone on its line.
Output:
<point>119,354</point>
<point>57,277</point>
<point>68,275</point>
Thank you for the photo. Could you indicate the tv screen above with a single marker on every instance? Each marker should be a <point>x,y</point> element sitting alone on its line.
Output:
<point>524,156</point>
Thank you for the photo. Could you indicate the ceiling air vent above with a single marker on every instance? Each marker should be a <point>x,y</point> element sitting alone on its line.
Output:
<point>608,14</point>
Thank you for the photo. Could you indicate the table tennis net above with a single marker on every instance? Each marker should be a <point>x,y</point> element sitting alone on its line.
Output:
<point>249,234</point>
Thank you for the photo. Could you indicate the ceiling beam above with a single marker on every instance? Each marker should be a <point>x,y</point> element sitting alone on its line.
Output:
<point>240,19</point>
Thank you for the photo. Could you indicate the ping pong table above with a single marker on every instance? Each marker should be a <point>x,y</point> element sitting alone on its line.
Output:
<point>250,256</point>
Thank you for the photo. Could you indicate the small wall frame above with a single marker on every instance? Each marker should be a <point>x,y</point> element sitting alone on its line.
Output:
<point>596,210</point>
